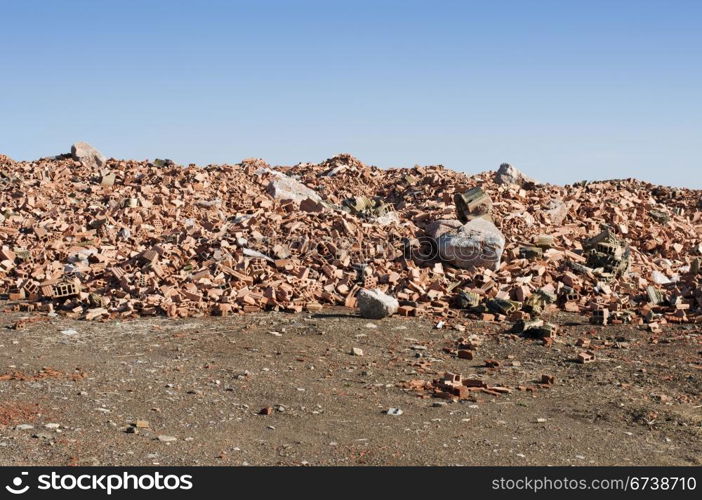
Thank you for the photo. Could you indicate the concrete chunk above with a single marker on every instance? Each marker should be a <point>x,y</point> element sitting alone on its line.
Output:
<point>477,243</point>
<point>283,187</point>
<point>374,304</point>
<point>509,175</point>
<point>87,155</point>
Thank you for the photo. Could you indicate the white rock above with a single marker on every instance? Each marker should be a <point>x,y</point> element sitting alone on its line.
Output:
<point>557,211</point>
<point>387,219</point>
<point>374,304</point>
<point>256,254</point>
<point>87,155</point>
<point>478,243</point>
<point>287,188</point>
<point>507,174</point>
<point>336,170</point>
<point>659,278</point>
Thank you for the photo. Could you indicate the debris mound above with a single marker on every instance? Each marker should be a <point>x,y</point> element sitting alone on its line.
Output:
<point>96,238</point>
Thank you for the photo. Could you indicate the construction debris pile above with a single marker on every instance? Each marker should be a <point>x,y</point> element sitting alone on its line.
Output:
<point>95,238</point>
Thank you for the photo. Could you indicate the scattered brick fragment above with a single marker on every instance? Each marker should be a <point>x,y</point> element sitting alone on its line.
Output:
<point>586,357</point>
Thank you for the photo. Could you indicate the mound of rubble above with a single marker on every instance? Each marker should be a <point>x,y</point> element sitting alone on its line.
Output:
<point>94,238</point>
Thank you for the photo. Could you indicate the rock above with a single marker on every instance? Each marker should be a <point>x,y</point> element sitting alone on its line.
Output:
<point>255,254</point>
<point>283,187</point>
<point>439,227</point>
<point>166,439</point>
<point>659,278</point>
<point>356,351</point>
<point>387,219</point>
<point>557,211</point>
<point>87,155</point>
<point>507,174</point>
<point>374,304</point>
<point>24,427</point>
<point>477,243</point>
<point>336,170</point>
<point>396,412</point>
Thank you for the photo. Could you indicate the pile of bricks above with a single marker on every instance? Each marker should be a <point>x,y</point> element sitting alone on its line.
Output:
<point>455,387</point>
<point>129,238</point>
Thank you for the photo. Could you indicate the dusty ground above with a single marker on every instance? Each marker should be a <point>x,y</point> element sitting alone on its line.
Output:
<point>204,381</point>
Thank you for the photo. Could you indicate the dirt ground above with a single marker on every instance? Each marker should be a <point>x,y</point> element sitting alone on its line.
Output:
<point>197,386</point>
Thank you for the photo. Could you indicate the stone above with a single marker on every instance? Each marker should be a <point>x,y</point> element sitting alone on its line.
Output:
<point>283,187</point>
<point>396,412</point>
<point>356,351</point>
<point>557,211</point>
<point>659,278</point>
<point>478,243</point>
<point>387,219</point>
<point>509,175</point>
<point>438,227</point>
<point>166,439</point>
<point>87,155</point>
<point>374,304</point>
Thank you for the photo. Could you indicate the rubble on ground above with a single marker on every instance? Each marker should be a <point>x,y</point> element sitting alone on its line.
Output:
<point>99,238</point>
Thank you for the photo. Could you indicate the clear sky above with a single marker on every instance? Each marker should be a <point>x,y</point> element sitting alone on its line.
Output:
<point>563,90</point>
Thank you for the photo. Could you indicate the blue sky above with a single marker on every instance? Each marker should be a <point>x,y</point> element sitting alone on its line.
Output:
<point>563,90</point>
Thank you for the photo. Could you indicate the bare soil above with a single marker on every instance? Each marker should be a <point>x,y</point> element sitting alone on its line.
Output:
<point>201,383</point>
